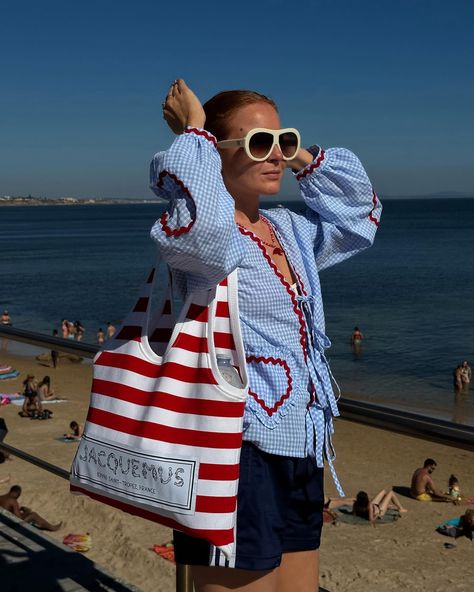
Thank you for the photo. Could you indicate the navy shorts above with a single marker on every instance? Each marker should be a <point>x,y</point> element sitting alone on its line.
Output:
<point>279,509</point>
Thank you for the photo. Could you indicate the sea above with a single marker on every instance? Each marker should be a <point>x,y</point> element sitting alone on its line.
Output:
<point>411,294</point>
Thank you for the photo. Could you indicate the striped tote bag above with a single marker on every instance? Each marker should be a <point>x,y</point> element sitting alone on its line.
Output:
<point>163,433</point>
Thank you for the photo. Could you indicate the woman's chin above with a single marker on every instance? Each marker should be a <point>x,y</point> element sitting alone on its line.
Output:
<point>271,188</point>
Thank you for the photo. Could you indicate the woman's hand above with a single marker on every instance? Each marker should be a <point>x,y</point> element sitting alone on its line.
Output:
<point>302,159</point>
<point>182,108</point>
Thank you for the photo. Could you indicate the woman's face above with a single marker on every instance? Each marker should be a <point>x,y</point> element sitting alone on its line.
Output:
<point>244,177</point>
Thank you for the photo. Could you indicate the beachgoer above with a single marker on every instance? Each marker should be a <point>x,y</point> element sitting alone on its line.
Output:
<point>466,523</point>
<point>356,342</point>
<point>213,179</point>
<point>32,404</point>
<point>454,490</point>
<point>45,391</point>
<point>79,330</point>
<point>5,319</point>
<point>423,488</point>
<point>71,330</point>
<point>76,431</point>
<point>9,501</point>
<point>356,337</point>
<point>378,506</point>
<point>466,374</point>
<point>100,336</point>
<point>54,353</point>
<point>65,328</point>
<point>457,378</point>
<point>110,330</point>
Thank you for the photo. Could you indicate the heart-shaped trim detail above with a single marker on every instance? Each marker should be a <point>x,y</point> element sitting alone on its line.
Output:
<point>276,362</point>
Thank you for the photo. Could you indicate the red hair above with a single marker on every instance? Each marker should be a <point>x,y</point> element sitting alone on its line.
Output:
<point>220,107</point>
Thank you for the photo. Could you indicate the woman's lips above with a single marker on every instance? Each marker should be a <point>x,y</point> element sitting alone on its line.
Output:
<point>274,175</point>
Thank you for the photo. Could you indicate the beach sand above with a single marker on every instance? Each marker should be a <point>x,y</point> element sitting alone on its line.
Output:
<point>405,555</point>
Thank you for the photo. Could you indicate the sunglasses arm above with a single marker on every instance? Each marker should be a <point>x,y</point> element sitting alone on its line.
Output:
<point>231,143</point>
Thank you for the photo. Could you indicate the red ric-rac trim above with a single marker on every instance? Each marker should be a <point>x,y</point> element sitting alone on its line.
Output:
<point>276,362</point>
<point>291,293</point>
<point>311,167</point>
<point>203,133</point>
<point>372,218</point>
<point>164,217</point>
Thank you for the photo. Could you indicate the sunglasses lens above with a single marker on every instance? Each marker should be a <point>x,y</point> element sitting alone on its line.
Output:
<point>288,144</point>
<point>260,144</point>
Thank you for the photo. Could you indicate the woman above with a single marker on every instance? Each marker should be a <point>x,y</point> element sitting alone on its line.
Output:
<point>376,508</point>
<point>31,405</point>
<point>79,330</point>
<point>226,155</point>
<point>45,392</point>
<point>65,328</point>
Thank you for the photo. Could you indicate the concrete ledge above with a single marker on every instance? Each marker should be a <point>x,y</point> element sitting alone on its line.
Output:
<point>429,428</point>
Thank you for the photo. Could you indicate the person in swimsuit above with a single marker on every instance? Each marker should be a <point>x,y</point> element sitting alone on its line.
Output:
<point>356,342</point>
<point>32,404</point>
<point>466,374</point>
<point>377,507</point>
<point>9,501</point>
<point>65,328</point>
<point>100,336</point>
<point>76,431</point>
<point>356,337</point>
<point>5,319</point>
<point>422,485</point>
<point>45,391</point>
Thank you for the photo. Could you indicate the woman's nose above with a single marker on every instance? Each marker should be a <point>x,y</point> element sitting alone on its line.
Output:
<point>276,153</point>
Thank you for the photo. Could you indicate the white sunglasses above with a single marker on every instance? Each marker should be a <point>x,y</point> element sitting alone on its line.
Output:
<point>259,143</point>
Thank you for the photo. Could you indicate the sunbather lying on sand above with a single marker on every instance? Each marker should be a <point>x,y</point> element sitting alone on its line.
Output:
<point>378,506</point>
<point>9,501</point>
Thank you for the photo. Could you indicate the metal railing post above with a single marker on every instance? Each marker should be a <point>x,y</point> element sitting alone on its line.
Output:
<point>184,578</point>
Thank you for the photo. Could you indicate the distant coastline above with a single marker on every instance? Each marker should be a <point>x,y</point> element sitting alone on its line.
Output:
<point>71,201</point>
<point>10,201</point>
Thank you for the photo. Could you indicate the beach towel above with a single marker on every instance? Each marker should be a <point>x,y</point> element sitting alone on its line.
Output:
<point>166,551</point>
<point>163,434</point>
<point>453,528</point>
<point>78,542</point>
<point>19,401</point>
<point>67,440</point>
<point>344,514</point>
<point>8,375</point>
<point>11,396</point>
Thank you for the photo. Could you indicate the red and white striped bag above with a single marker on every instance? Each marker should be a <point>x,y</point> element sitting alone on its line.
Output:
<point>163,434</point>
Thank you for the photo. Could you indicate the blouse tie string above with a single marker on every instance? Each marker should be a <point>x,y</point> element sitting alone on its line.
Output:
<point>321,412</point>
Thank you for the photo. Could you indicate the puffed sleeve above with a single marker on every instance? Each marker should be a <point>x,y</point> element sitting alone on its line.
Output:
<point>340,203</point>
<point>197,233</point>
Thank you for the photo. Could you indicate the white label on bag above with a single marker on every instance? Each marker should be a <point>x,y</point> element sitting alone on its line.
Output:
<point>147,479</point>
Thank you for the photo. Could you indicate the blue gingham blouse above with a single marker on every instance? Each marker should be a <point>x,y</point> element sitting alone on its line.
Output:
<point>291,404</point>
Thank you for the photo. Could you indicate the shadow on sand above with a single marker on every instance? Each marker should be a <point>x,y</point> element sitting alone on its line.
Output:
<point>29,560</point>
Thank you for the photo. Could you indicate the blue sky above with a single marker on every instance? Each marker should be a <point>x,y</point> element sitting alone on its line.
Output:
<point>82,85</point>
